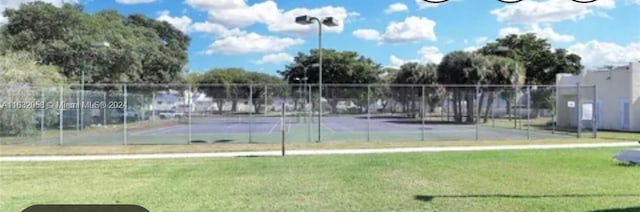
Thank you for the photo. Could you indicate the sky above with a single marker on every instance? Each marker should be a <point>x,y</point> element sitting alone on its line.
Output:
<point>261,35</point>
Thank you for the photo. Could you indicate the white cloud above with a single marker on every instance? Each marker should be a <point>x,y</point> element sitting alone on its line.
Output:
<point>353,17</point>
<point>549,11</point>
<point>481,40</point>
<point>597,54</point>
<point>284,22</point>
<point>13,4</point>
<point>277,58</point>
<point>216,29</point>
<point>424,5</point>
<point>251,43</point>
<point>430,54</point>
<point>367,34</point>
<point>396,62</point>
<point>471,49</point>
<point>411,29</point>
<point>243,16</point>
<point>542,32</point>
<point>236,13</point>
<point>478,43</point>
<point>134,1</point>
<point>216,5</point>
<point>396,7</point>
<point>181,23</point>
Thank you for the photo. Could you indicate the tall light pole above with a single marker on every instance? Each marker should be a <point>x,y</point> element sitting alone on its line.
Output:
<point>82,80</point>
<point>330,22</point>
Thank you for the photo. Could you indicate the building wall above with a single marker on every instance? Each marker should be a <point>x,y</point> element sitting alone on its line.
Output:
<point>635,96</point>
<point>609,93</point>
<point>612,87</point>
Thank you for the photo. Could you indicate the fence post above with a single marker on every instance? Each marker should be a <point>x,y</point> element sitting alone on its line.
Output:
<point>579,109</point>
<point>153,109</point>
<point>60,115</point>
<point>477,108</point>
<point>282,130</point>
<point>555,110</point>
<point>368,113</point>
<point>124,141</point>
<point>422,110</point>
<point>528,111</point>
<point>309,114</point>
<point>251,113</point>
<point>78,113</point>
<point>514,109</point>
<point>319,113</point>
<point>266,96</point>
<point>190,112</point>
<point>595,117</point>
<point>493,114</point>
<point>42,113</point>
<point>104,109</point>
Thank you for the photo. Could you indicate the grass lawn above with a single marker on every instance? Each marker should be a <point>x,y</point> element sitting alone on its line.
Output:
<point>24,150</point>
<point>539,124</point>
<point>540,180</point>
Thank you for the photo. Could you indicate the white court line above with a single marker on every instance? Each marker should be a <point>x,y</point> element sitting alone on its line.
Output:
<point>152,131</point>
<point>274,126</point>
<point>327,126</point>
<point>233,125</point>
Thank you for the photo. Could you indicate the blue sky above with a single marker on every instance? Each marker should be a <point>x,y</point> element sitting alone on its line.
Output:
<point>260,35</point>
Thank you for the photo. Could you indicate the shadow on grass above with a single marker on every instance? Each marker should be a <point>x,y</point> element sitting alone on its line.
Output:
<point>428,198</point>
<point>198,142</point>
<point>623,164</point>
<point>629,209</point>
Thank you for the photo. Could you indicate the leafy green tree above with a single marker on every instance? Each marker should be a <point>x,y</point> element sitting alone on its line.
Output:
<point>419,75</point>
<point>142,50</point>
<point>383,92</point>
<point>462,68</point>
<point>501,71</point>
<point>233,84</point>
<point>541,63</point>
<point>22,80</point>
<point>339,67</point>
<point>265,86</point>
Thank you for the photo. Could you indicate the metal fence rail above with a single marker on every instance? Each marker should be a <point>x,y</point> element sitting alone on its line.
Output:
<point>117,114</point>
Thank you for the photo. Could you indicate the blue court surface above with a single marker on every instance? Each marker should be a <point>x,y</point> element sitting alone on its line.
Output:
<point>264,129</point>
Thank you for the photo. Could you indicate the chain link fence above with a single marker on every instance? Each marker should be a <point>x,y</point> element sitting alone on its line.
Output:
<point>236,113</point>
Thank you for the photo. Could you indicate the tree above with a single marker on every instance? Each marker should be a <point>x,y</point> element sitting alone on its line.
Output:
<point>22,80</point>
<point>383,93</point>
<point>459,68</point>
<point>502,71</point>
<point>265,86</point>
<point>344,67</point>
<point>541,62</point>
<point>142,50</point>
<point>420,75</point>
<point>234,83</point>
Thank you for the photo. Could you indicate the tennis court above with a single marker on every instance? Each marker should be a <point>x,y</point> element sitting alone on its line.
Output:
<point>269,129</point>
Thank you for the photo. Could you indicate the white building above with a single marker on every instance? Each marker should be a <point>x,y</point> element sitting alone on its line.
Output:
<point>617,98</point>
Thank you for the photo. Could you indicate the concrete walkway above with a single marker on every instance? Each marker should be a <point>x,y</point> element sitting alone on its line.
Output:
<point>310,152</point>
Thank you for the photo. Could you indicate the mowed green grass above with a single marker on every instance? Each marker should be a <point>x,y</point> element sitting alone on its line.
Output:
<point>540,180</point>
